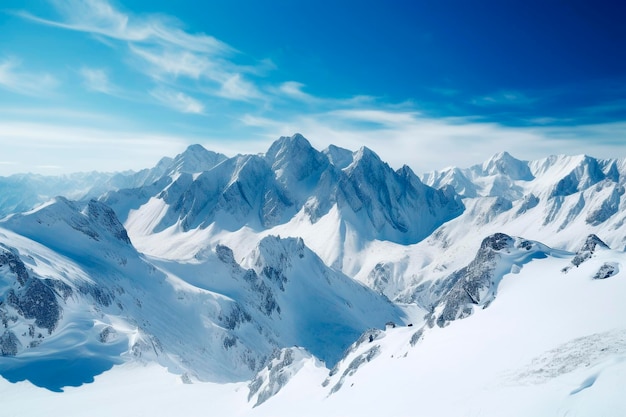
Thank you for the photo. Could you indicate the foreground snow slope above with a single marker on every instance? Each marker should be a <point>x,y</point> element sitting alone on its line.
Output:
<point>75,294</point>
<point>550,343</point>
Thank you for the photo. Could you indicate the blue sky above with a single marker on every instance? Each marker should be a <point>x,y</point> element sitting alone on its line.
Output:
<point>112,85</point>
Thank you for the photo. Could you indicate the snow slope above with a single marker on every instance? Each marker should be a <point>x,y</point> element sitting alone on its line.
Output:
<point>261,284</point>
<point>104,301</point>
<point>550,343</point>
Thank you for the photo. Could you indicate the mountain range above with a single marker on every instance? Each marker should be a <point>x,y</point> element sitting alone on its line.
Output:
<point>323,280</point>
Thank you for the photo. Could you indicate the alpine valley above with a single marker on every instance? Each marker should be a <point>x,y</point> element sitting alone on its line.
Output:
<point>307,282</point>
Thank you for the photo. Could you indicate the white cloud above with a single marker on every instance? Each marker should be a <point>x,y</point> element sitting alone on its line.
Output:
<point>382,117</point>
<point>178,101</point>
<point>97,79</point>
<point>506,98</point>
<point>100,17</point>
<point>293,89</point>
<point>405,137</point>
<point>161,49</point>
<point>178,63</point>
<point>14,78</point>
<point>72,148</point>
<point>237,88</point>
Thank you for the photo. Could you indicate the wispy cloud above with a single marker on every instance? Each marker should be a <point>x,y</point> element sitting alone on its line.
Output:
<point>178,100</point>
<point>176,63</point>
<point>35,145</point>
<point>294,90</point>
<point>100,17</point>
<point>504,98</point>
<point>408,137</point>
<point>14,78</point>
<point>237,88</point>
<point>161,49</point>
<point>97,79</point>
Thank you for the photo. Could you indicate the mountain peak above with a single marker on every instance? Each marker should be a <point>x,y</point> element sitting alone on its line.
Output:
<point>365,156</point>
<point>78,223</point>
<point>288,144</point>
<point>339,157</point>
<point>294,159</point>
<point>195,159</point>
<point>195,148</point>
<point>505,164</point>
<point>365,152</point>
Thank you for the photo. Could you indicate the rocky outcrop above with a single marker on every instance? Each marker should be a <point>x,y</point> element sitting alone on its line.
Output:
<point>587,250</point>
<point>27,299</point>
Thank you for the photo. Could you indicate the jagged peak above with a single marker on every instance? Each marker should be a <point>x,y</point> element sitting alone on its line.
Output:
<point>293,159</point>
<point>505,164</point>
<point>249,168</point>
<point>405,170</point>
<point>194,148</point>
<point>409,175</point>
<point>196,158</point>
<point>365,153</point>
<point>288,144</point>
<point>339,157</point>
<point>364,157</point>
<point>274,248</point>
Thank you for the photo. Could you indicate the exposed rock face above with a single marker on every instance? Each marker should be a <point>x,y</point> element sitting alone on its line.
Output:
<point>530,201</point>
<point>476,285</point>
<point>355,364</point>
<point>9,344</point>
<point>473,285</point>
<point>588,248</point>
<point>281,366</point>
<point>607,208</point>
<point>364,350</point>
<point>26,297</point>
<point>607,270</point>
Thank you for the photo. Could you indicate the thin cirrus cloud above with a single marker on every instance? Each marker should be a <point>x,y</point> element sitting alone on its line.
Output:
<point>219,81</point>
<point>100,17</point>
<point>15,79</point>
<point>178,100</point>
<point>190,72</point>
<point>407,137</point>
<point>97,80</point>
<point>161,50</point>
<point>294,90</point>
<point>504,98</point>
<point>91,147</point>
<point>159,63</point>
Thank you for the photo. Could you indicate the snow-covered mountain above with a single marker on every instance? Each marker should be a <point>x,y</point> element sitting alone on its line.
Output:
<point>73,269</point>
<point>561,193</point>
<point>262,191</point>
<point>322,280</point>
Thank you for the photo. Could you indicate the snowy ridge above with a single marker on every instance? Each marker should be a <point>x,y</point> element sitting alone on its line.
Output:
<point>291,179</point>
